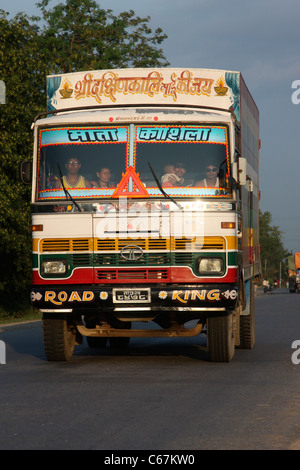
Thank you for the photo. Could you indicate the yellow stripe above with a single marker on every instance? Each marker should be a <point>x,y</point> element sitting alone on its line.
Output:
<point>35,244</point>
<point>149,244</point>
<point>232,242</point>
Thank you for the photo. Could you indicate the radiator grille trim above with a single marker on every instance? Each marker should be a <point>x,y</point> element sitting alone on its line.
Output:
<point>147,244</point>
<point>128,275</point>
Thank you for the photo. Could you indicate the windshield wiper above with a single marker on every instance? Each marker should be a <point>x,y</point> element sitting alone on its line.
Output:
<point>68,195</point>
<point>167,196</point>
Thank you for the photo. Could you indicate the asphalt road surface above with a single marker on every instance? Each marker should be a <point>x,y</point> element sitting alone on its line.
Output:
<point>160,394</point>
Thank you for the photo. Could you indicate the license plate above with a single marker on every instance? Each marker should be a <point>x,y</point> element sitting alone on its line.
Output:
<point>132,295</point>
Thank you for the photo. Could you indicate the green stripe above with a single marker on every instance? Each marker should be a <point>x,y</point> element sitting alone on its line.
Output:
<point>180,258</point>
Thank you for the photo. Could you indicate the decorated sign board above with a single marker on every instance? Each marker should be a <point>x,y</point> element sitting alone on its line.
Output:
<point>163,86</point>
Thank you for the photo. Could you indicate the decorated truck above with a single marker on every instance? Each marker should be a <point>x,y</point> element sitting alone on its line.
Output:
<point>145,194</point>
<point>294,272</point>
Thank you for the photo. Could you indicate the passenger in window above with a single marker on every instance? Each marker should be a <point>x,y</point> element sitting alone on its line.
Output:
<point>173,175</point>
<point>211,179</point>
<point>104,176</point>
<point>73,179</point>
<point>51,181</point>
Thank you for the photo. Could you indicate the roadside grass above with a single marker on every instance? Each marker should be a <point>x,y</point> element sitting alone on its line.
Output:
<point>16,316</point>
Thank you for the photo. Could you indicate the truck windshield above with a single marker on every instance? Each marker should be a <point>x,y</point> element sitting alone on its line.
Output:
<point>109,161</point>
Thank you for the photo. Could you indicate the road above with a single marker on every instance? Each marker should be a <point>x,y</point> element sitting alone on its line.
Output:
<point>161,394</point>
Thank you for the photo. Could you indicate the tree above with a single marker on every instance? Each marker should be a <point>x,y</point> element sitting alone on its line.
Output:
<point>79,35</point>
<point>22,70</point>
<point>272,251</point>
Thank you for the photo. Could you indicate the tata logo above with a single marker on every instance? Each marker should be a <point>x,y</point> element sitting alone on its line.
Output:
<point>131,253</point>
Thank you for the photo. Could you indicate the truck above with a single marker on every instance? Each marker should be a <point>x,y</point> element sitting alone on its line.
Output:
<point>294,272</point>
<point>145,207</point>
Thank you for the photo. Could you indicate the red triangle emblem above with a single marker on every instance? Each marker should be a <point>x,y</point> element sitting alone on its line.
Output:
<point>139,189</point>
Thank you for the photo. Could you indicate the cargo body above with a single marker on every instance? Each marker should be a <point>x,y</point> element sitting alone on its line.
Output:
<point>171,235</point>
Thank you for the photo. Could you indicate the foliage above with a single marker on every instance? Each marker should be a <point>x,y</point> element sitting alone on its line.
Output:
<point>77,34</point>
<point>272,250</point>
<point>22,69</point>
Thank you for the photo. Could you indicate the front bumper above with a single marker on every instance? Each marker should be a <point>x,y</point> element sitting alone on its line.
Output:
<point>120,297</point>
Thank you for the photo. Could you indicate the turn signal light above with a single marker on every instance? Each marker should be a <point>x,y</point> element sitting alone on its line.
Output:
<point>37,228</point>
<point>227,224</point>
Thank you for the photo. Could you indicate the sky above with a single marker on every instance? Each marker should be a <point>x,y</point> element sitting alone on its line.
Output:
<point>260,38</point>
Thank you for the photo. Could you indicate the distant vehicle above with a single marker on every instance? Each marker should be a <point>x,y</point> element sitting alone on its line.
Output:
<point>266,286</point>
<point>294,272</point>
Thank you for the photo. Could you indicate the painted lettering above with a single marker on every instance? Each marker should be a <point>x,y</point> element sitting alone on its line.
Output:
<point>176,296</point>
<point>62,296</point>
<point>98,135</point>
<point>74,296</point>
<point>174,134</point>
<point>213,295</point>
<point>184,295</point>
<point>196,294</point>
<point>87,296</point>
<point>50,296</point>
<point>110,84</point>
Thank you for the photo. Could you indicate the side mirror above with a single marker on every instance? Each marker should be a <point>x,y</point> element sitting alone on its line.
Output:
<point>25,172</point>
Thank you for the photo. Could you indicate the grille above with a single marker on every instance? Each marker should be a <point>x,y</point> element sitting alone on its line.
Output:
<point>183,258</point>
<point>131,274</point>
<point>147,258</point>
<point>82,260</point>
<point>56,245</point>
<point>147,244</point>
<point>197,243</point>
<point>67,244</point>
<point>155,244</point>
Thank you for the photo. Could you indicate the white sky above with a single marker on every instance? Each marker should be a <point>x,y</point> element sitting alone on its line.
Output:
<point>260,38</point>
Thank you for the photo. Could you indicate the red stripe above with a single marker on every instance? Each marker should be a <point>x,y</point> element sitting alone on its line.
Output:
<point>175,274</point>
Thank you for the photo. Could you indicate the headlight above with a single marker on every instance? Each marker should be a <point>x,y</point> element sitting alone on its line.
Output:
<point>210,265</point>
<point>54,266</point>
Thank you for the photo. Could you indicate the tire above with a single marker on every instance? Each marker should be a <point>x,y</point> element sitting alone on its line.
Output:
<point>59,339</point>
<point>220,338</point>
<point>247,324</point>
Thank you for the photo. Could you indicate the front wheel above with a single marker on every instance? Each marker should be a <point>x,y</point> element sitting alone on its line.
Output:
<point>59,339</point>
<point>220,338</point>
<point>247,323</point>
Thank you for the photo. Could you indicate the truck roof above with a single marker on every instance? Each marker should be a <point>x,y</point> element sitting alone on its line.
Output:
<point>167,87</point>
<point>136,115</point>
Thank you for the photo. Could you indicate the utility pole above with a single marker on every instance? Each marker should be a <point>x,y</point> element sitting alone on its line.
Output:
<point>280,274</point>
<point>265,268</point>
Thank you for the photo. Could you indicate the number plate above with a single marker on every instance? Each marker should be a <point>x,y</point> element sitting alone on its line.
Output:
<point>131,295</point>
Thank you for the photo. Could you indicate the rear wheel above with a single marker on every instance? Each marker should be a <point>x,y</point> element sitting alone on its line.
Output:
<point>220,338</point>
<point>59,339</point>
